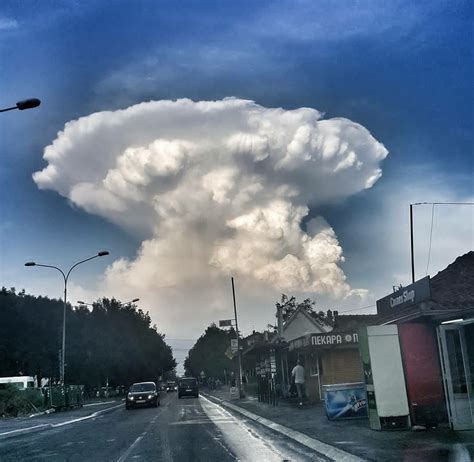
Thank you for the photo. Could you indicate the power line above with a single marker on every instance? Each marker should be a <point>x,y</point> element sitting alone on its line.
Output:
<point>443,203</point>
<point>358,309</point>
<point>431,236</point>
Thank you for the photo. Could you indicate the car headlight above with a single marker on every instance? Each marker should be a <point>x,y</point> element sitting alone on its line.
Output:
<point>131,398</point>
<point>150,396</point>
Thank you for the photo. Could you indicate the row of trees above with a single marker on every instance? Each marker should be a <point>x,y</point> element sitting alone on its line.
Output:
<point>208,354</point>
<point>112,342</point>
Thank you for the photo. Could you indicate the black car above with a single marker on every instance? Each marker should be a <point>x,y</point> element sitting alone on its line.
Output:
<point>142,394</point>
<point>171,386</point>
<point>188,387</point>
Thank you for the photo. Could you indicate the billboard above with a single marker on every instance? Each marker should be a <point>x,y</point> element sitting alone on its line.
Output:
<point>345,401</point>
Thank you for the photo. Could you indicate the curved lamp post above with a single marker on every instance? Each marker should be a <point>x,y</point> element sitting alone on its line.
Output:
<point>22,105</point>
<point>65,277</point>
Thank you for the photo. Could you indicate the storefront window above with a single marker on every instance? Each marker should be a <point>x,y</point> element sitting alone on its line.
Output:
<point>469,337</point>
<point>456,361</point>
<point>315,367</point>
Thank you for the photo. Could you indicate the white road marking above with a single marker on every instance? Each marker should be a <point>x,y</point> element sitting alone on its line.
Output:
<point>124,456</point>
<point>99,403</point>
<point>201,422</point>
<point>87,417</point>
<point>19,430</point>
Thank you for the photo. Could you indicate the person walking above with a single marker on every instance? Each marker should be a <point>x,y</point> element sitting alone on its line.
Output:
<point>298,376</point>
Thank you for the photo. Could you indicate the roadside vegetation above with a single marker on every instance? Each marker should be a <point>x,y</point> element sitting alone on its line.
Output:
<point>108,343</point>
<point>14,402</point>
<point>208,354</point>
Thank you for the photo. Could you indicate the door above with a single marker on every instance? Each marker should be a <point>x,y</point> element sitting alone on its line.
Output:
<point>456,344</point>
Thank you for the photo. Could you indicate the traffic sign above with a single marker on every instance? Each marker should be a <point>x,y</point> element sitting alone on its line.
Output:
<point>229,353</point>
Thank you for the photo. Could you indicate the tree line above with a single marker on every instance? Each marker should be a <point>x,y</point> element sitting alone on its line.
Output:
<point>208,354</point>
<point>111,342</point>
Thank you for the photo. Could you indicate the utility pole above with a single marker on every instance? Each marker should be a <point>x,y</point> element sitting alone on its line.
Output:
<point>239,381</point>
<point>412,246</point>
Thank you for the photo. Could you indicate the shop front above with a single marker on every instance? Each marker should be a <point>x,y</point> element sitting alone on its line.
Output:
<point>331,360</point>
<point>435,327</point>
<point>456,347</point>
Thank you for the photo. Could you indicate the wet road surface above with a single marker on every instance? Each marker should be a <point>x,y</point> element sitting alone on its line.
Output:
<point>192,429</point>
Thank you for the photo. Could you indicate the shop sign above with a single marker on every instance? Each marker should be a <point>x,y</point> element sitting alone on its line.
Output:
<point>405,297</point>
<point>334,339</point>
<point>300,342</point>
<point>273,363</point>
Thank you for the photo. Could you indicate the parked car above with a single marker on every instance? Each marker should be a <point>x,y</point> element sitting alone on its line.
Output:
<point>171,386</point>
<point>188,386</point>
<point>142,394</point>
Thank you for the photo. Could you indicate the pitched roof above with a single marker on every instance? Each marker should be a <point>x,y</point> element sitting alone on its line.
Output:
<point>316,321</point>
<point>353,321</point>
<point>453,287</point>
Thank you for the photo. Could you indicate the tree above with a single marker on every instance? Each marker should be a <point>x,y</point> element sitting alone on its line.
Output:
<point>289,305</point>
<point>208,354</point>
<point>113,342</point>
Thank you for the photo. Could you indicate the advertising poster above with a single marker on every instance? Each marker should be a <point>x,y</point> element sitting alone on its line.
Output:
<point>346,403</point>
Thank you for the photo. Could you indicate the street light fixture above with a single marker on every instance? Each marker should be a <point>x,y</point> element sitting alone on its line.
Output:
<point>80,302</point>
<point>22,105</point>
<point>65,278</point>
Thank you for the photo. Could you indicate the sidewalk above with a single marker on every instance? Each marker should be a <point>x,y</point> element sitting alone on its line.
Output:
<point>355,436</point>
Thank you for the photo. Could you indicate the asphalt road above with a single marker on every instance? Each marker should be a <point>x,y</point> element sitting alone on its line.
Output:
<point>179,430</point>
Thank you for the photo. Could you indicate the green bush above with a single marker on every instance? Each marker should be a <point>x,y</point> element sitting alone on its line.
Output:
<point>14,402</point>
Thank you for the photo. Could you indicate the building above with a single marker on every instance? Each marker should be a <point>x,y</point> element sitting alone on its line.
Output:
<point>332,357</point>
<point>326,345</point>
<point>435,322</point>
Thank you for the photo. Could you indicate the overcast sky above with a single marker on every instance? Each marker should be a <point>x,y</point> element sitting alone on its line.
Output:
<point>278,142</point>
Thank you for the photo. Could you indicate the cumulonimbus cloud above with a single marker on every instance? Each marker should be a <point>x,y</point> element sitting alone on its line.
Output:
<point>217,188</point>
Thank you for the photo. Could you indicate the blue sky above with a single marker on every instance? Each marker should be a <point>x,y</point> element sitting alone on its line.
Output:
<point>401,69</point>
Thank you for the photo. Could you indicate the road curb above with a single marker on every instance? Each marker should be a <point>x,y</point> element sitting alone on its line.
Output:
<point>324,449</point>
<point>48,426</point>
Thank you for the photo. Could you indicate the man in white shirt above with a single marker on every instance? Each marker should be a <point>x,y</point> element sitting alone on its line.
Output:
<point>298,375</point>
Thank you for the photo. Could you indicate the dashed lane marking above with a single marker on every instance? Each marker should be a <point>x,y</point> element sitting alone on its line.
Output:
<point>124,456</point>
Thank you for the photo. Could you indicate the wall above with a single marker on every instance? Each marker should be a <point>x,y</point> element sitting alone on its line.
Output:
<point>422,373</point>
<point>299,326</point>
<point>341,366</point>
<point>338,366</point>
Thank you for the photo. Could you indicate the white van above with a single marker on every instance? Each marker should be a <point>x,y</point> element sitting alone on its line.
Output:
<point>21,382</point>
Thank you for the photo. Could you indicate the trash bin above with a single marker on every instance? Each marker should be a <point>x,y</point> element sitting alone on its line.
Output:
<point>345,400</point>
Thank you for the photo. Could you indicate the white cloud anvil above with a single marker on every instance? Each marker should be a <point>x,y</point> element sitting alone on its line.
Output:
<point>218,188</point>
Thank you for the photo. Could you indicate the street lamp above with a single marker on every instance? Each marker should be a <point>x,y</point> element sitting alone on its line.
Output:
<point>22,105</point>
<point>65,277</point>
<point>80,302</point>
